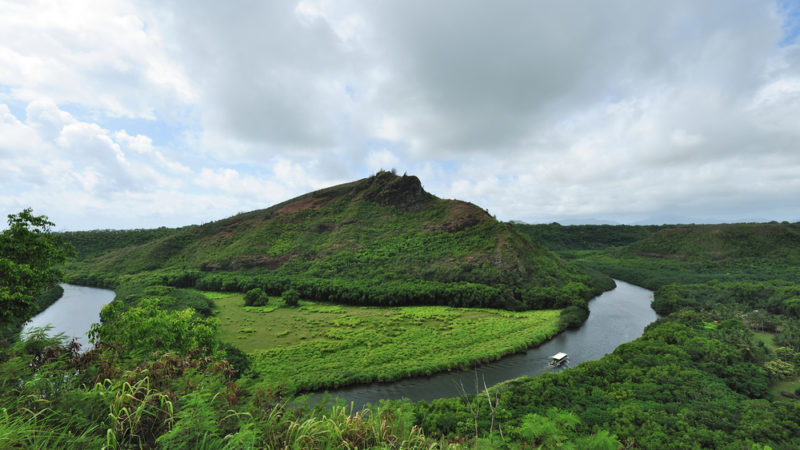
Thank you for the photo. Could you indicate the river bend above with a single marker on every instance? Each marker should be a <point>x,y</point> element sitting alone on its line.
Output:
<point>617,316</point>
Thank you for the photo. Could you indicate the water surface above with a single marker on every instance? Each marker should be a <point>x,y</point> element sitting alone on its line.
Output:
<point>616,317</point>
<point>74,313</point>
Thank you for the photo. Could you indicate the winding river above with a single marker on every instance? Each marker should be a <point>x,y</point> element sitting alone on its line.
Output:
<point>617,316</point>
<point>74,313</point>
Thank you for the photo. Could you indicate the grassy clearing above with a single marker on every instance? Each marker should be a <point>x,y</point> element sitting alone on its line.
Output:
<point>777,386</point>
<point>784,386</point>
<point>766,338</point>
<point>320,345</point>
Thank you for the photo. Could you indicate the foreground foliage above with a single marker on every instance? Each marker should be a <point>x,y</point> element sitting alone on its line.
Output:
<point>678,386</point>
<point>29,267</point>
<point>54,397</point>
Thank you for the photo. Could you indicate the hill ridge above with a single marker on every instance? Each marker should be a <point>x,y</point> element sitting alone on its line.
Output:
<point>378,240</point>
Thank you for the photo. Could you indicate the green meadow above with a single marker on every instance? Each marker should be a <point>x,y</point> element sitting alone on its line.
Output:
<point>321,345</point>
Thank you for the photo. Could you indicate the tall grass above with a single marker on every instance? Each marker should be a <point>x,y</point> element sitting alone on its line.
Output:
<point>320,345</point>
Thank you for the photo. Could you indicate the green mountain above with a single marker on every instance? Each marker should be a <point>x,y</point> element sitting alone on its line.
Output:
<point>380,240</point>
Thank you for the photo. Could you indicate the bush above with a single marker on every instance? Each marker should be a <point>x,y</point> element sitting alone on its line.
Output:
<point>148,327</point>
<point>255,297</point>
<point>573,316</point>
<point>237,358</point>
<point>291,297</point>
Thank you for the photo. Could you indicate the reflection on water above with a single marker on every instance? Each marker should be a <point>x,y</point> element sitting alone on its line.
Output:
<point>74,313</point>
<point>617,316</point>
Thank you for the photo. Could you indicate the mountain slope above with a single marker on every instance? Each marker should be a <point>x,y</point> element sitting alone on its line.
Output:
<point>379,240</point>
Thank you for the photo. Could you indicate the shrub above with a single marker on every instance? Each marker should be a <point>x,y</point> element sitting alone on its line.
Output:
<point>291,297</point>
<point>573,316</point>
<point>255,297</point>
<point>237,358</point>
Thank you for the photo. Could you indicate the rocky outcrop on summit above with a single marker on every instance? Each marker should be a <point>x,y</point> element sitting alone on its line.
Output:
<point>404,192</point>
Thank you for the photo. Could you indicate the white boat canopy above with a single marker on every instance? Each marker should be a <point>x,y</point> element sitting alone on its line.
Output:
<point>560,355</point>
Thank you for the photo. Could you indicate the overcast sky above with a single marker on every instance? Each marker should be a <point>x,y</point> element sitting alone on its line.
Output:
<point>130,114</point>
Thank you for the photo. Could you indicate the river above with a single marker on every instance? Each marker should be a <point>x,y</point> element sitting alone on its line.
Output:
<point>617,316</point>
<point>74,313</point>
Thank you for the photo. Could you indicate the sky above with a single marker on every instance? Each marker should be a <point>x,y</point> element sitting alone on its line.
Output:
<point>140,114</point>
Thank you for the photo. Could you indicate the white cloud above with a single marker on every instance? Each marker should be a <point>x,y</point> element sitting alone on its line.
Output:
<point>96,54</point>
<point>15,136</point>
<point>382,160</point>
<point>680,109</point>
<point>254,192</point>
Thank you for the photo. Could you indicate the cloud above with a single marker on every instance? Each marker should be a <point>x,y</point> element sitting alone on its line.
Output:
<point>497,77</point>
<point>271,77</point>
<point>382,160</point>
<point>538,111</point>
<point>100,55</point>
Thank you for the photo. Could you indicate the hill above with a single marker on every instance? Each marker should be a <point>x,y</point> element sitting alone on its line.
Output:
<point>559,237</point>
<point>684,254</point>
<point>721,241</point>
<point>381,240</point>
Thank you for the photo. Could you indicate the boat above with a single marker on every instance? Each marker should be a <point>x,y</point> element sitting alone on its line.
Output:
<point>558,359</point>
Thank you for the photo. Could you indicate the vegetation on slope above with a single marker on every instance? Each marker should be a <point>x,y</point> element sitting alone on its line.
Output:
<point>382,240</point>
<point>703,253</point>
<point>89,244</point>
<point>721,242</point>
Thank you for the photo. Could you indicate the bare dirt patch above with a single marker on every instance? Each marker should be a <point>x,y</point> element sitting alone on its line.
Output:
<point>460,216</point>
<point>306,203</point>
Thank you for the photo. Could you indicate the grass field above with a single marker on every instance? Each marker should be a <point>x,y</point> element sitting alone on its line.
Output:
<point>785,385</point>
<point>320,345</point>
<point>766,338</point>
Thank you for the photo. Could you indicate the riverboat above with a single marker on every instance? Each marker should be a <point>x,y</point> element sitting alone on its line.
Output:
<point>558,359</point>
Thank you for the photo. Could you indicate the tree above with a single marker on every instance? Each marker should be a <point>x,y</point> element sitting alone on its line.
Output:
<point>779,370</point>
<point>29,258</point>
<point>291,297</point>
<point>255,297</point>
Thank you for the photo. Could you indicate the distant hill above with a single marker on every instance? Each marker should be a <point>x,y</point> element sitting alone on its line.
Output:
<point>720,242</point>
<point>687,254</point>
<point>379,240</point>
<point>559,237</point>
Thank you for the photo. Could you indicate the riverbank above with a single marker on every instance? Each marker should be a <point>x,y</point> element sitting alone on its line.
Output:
<point>617,316</point>
<point>47,297</point>
<point>73,312</point>
<point>322,346</point>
